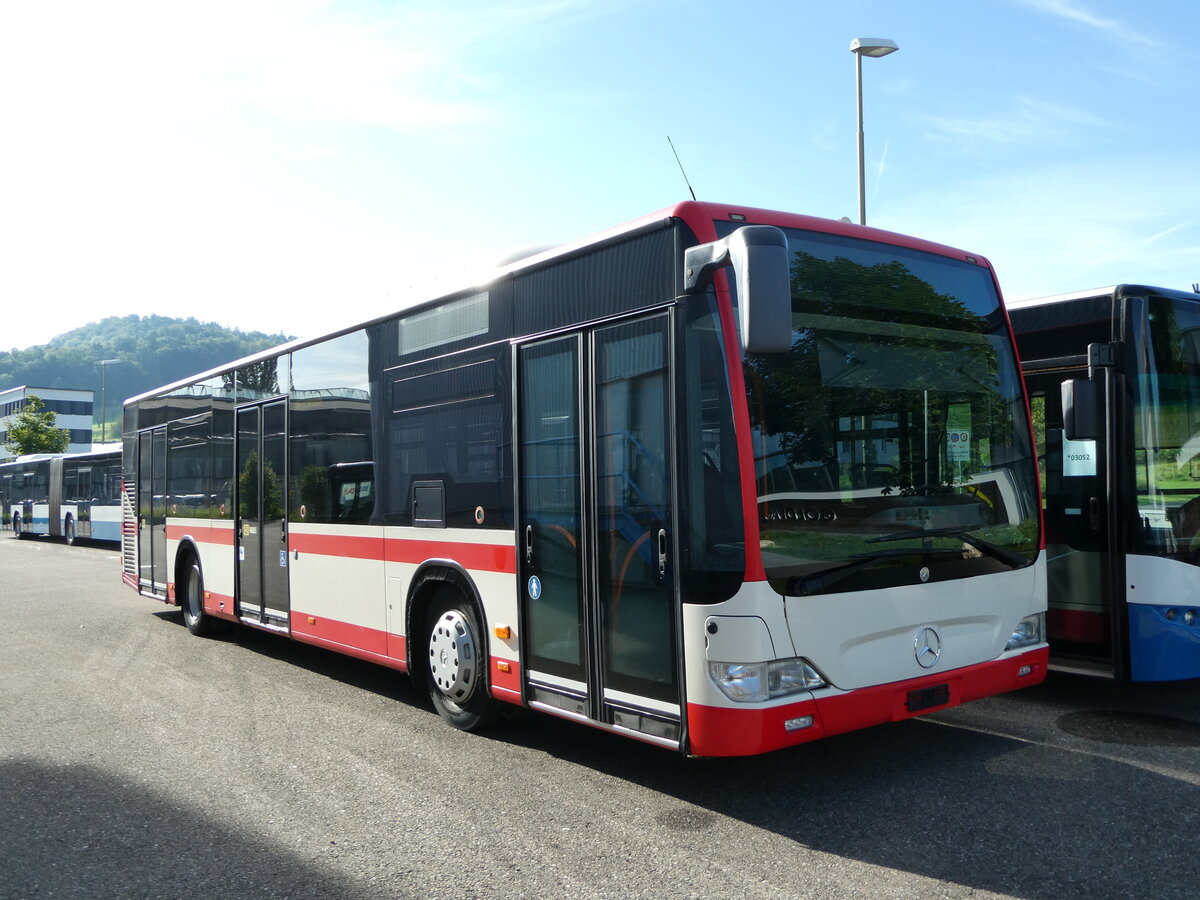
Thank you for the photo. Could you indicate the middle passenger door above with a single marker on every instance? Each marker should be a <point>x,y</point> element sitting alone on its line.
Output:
<point>261,534</point>
<point>596,526</point>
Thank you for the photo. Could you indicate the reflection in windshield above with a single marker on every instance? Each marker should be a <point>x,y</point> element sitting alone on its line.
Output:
<point>1166,430</point>
<point>897,414</point>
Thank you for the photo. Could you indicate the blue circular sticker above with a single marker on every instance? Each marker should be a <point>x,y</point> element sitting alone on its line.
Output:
<point>535,587</point>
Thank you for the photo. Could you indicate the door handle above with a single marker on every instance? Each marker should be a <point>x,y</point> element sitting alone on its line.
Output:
<point>528,544</point>
<point>1094,513</point>
<point>662,552</point>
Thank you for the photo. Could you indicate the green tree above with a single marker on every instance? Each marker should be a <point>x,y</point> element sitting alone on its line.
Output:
<point>33,430</point>
<point>248,482</point>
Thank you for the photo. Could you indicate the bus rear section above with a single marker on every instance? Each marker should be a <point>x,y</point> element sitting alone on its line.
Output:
<point>1114,382</point>
<point>73,496</point>
<point>722,480</point>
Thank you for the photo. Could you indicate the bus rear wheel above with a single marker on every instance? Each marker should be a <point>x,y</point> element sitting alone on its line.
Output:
<point>456,663</point>
<point>198,622</point>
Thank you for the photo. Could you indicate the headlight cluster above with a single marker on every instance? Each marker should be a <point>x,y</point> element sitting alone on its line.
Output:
<point>1029,631</point>
<point>755,682</point>
<point>1188,616</point>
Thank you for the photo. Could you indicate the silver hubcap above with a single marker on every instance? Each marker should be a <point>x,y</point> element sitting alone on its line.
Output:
<point>452,658</point>
<point>194,603</point>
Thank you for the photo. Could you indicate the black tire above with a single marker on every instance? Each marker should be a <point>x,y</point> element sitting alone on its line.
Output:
<point>17,532</point>
<point>191,601</point>
<point>69,531</point>
<point>456,663</point>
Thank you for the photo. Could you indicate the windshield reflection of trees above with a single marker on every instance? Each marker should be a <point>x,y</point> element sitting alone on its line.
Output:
<point>880,360</point>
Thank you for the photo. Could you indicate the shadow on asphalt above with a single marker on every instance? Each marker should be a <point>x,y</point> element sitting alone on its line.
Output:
<point>964,806</point>
<point>75,831</point>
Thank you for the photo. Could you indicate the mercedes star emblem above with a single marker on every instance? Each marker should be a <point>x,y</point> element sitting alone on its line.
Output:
<point>928,648</point>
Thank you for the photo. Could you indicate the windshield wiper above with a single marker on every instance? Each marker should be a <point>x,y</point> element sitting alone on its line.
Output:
<point>817,582</point>
<point>1003,554</point>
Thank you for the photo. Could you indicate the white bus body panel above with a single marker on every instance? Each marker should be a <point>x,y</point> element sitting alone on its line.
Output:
<point>346,589</point>
<point>862,639</point>
<point>868,638</point>
<point>1158,581</point>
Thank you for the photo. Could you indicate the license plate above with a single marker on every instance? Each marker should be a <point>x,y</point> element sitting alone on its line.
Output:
<point>927,698</point>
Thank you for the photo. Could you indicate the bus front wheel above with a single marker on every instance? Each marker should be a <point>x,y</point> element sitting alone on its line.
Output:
<point>456,663</point>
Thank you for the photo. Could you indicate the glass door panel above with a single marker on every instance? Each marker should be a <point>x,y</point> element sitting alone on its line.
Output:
<point>262,520</point>
<point>551,497</point>
<point>633,489</point>
<point>273,512</point>
<point>249,519</point>
<point>596,525</point>
<point>1079,565</point>
<point>152,510</point>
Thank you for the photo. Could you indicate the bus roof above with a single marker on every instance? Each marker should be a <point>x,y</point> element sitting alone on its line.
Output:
<point>1117,290</point>
<point>700,216</point>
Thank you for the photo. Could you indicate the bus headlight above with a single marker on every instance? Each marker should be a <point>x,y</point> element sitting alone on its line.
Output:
<point>1029,631</point>
<point>755,682</point>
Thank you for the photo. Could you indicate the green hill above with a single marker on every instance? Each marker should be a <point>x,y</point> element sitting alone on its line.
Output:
<point>155,350</point>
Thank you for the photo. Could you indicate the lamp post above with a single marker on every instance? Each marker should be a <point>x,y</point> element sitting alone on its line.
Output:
<point>874,48</point>
<point>104,364</point>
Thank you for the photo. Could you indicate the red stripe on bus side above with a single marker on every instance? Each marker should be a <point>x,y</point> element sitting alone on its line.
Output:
<point>505,679</point>
<point>373,645</point>
<point>203,534</point>
<point>478,557</point>
<point>342,635</point>
<point>219,605</point>
<point>481,557</point>
<point>348,546</point>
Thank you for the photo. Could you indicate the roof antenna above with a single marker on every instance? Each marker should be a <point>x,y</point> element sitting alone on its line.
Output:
<point>681,172</point>
<point>1195,287</point>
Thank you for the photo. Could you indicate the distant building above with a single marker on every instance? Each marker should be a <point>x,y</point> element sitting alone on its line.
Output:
<point>72,410</point>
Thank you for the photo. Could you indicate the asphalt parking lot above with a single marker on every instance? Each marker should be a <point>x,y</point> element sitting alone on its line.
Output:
<point>139,761</point>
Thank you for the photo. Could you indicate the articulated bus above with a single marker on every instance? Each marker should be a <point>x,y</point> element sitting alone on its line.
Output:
<point>722,480</point>
<point>1114,382</point>
<point>72,496</point>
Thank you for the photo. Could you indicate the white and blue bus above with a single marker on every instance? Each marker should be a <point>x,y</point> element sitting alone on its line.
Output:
<point>74,496</point>
<point>1114,383</point>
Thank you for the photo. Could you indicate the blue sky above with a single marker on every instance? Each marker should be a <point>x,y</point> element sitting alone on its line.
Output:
<point>300,166</point>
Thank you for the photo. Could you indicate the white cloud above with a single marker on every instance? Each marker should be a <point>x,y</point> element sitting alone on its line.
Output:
<point>1082,15</point>
<point>140,170</point>
<point>1060,229</point>
<point>1027,120</point>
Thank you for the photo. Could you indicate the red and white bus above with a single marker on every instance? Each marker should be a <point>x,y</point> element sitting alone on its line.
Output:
<point>722,479</point>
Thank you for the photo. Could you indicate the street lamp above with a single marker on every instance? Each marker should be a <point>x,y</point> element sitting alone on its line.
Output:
<point>104,364</point>
<point>874,48</point>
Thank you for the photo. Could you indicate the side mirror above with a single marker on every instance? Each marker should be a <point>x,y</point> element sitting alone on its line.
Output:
<point>759,256</point>
<point>1081,410</point>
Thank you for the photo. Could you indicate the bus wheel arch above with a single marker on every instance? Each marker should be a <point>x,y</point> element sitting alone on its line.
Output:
<point>449,649</point>
<point>189,592</point>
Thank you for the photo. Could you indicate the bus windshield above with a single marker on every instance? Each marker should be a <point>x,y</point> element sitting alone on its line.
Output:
<point>891,442</point>
<point>1166,436</point>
